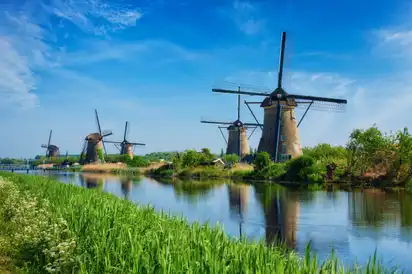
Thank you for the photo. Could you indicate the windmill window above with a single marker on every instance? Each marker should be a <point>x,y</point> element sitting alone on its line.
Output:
<point>282,138</point>
<point>291,115</point>
<point>283,148</point>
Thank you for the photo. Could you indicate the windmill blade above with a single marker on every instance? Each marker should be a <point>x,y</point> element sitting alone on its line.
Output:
<point>238,105</point>
<point>254,116</point>
<point>98,122</point>
<point>319,99</point>
<point>48,143</point>
<point>50,135</point>
<point>252,125</point>
<point>118,147</point>
<point>137,144</point>
<point>281,59</point>
<point>83,152</point>
<point>252,132</point>
<point>223,135</point>
<point>323,106</point>
<point>240,92</point>
<point>104,147</point>
<point>125,131</point>
<point>216,122</point>
<point>304,114</point>
<point>106,133</point>
<point>113,142</point>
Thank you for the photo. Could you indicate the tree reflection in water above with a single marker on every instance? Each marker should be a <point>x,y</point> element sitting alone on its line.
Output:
<point>378,208</point>
<point>192,190</point>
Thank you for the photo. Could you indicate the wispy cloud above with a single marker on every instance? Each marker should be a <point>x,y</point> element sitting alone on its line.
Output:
<point>246,16</point>
<point>28,43</point>
<point>322,54</point>
<point>123,51</point>
<point>83,14</point>
<point>16,78</point>
<point>394,43</point>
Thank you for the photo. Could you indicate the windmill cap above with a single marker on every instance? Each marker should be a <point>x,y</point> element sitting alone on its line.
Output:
<point>236,124</point>
<point>94,136</point>
<point>277,94</point>
<point>53,147</point>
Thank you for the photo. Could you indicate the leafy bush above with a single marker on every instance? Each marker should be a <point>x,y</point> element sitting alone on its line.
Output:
<point>326,151</point>
<point>157,156</point>
<point>298,169</point>
<point>231,159</point>
<point>191,158</point>
<point>137,161</point>
<point>206,155</point>
<point>276,170</point>
<point>262,161</point>
<point>33,235</point>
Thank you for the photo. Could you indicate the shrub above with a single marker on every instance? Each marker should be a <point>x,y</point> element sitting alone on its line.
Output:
<point>231,159</point>
<point>35,237</point>
<point>276,170</point>
<point>137,161</point>
<point>262,161</point>
<point>191,158</point>
<point>299,168</point>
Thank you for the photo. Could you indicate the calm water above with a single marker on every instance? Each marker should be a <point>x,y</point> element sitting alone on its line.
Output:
<point>354,223</point>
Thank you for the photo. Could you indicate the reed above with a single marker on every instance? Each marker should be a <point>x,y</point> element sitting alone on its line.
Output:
<point>116,236</point>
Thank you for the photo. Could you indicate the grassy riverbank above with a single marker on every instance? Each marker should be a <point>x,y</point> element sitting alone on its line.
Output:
<point>50,226</point>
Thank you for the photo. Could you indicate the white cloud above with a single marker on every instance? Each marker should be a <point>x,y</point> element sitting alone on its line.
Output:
<point>102,51</point>
<point>83,13</point>
<point>27,42</point>
<point>246,16</point>
<point>394,43</point>
<point>16,78</point>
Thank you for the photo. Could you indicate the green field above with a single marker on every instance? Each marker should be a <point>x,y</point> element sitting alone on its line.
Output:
<point>48,226</point>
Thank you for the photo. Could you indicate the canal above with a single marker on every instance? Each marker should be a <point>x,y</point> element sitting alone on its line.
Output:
<point>353,223</point>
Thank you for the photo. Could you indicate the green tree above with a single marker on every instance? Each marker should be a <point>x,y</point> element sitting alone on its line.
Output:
<point>177,161</point>
<point>261,161</point>
<point>231,159</point>
<point>301,169</point>
<point>402,165</point>
<point>206,155</point>
<point>367,148</point>
<point>191,158</point>
<point>222,153</point>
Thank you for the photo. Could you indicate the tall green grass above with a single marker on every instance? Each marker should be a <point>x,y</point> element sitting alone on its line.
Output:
<point>116,236</point>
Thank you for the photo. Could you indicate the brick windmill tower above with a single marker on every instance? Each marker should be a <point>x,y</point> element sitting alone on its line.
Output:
<point>92,151</point>
<point>125,147</point>
<point>280,136</point>
<point>237,141</point>
<point>52,151</point>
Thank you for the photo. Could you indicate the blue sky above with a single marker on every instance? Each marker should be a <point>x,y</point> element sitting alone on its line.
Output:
<point>154,64</point>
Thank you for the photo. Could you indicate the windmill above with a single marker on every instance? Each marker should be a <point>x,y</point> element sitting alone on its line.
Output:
<point>280,131</point>
<point>93,146</point>
<point>238,197</point>
<point>237,142</point>
<point>51,150</point>
<point>126,147</point>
